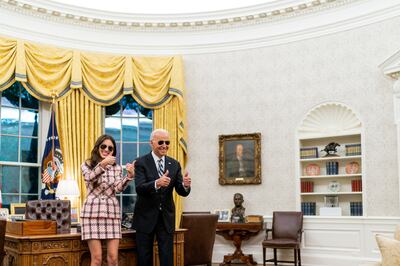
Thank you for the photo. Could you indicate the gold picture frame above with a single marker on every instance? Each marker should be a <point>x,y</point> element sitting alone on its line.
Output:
<point>240,159</point>
<point>17,208</point>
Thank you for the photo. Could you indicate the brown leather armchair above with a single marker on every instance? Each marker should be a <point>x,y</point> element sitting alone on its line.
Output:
<point>200,237</point>
<point>287,228</point>
<point>3,224</point>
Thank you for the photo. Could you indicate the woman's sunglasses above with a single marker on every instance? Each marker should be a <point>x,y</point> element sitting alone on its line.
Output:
<point>161,142</point>
<point>104,146</point>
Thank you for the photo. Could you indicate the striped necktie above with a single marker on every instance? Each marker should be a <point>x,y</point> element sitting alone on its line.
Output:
<point>160,167</point>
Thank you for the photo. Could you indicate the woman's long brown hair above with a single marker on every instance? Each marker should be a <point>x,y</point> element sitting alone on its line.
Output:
<point>95,157</point>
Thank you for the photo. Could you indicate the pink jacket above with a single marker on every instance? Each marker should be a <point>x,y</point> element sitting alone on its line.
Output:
<point>101,185</point>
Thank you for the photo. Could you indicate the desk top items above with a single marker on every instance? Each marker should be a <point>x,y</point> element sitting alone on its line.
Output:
<point>331,150</point>
<point>238,211</point>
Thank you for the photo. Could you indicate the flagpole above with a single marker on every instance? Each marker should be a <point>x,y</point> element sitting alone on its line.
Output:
<point>52,128</point>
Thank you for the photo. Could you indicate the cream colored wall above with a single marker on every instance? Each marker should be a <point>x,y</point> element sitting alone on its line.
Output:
<point>269,90</point>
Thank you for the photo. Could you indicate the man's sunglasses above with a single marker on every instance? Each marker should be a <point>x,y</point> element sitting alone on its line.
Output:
<point>104,146</point>
<point>161,142</point>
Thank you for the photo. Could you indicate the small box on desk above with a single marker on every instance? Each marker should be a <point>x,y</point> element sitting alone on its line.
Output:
<point>32,227</point>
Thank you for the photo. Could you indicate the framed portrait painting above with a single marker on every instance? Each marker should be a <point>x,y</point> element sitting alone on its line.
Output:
<point>240,159</point>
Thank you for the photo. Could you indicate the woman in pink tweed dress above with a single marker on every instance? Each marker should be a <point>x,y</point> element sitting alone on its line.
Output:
<point>101,215</point>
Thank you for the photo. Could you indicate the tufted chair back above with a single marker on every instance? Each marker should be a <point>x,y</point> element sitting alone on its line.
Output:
<point>56,210</point>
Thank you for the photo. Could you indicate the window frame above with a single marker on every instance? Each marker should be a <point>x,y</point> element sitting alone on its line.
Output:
<point>120,196</point>
<point>19,163</point>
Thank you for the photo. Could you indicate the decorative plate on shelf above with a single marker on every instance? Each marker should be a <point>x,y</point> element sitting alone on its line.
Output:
<point>312,169</point>
<point>352,168</point>
<point>334,186</point>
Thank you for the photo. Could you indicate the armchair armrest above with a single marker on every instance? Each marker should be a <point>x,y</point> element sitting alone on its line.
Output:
<point>266,233</point>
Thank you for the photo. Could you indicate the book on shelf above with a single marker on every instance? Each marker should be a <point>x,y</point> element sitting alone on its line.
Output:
<point>356,185</point>
<point>353,149</point>
<point>356,208</point>
<point>308,152</point>
<point>332,168</point>
<point>308,208</point>
<point>307,186</point>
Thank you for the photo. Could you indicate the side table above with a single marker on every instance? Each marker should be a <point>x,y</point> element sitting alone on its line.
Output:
<point>237,232</point>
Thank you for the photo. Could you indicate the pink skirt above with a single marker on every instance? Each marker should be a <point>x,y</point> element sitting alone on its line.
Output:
<point>100,228</point>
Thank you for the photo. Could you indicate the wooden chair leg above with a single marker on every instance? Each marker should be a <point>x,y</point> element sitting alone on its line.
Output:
<point>264,256</point>
<point>275,262</point>
<point>298,251</point>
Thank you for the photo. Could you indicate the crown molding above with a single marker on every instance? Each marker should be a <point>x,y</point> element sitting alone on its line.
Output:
<point>324,17</point>
<point>262,13</point>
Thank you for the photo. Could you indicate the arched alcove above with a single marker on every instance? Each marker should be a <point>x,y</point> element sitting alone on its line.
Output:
<point>329,119</point>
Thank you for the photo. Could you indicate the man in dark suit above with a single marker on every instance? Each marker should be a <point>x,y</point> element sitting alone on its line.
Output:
<point>156,176</point>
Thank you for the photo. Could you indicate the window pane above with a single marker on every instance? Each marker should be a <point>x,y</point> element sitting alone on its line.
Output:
<point>144,148</point>
<point>130,189</point>
<point>25,198</point>
<point>129,129</point>
<point>7,199</point>
<point>27,100</point>
<point>128,203</point>
<point>9,149</point>
<point>10,179</point>
<point>113,127</point>
<point>129,152</point>
<point>10,97</point>
<point>113,109</point>
<point>29,179</point>
<point>146,112</point>
<point>129,106</point>
<point>29,123</point>
<point>118,157</point>
<point>9,120</point>
<point>145,127</point>
<point>29,150</point>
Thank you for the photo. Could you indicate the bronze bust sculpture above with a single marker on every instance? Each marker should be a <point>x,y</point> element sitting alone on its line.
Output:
<point>238,211</point>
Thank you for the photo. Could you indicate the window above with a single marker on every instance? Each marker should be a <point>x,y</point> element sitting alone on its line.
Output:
<point>19,166</point>
<point>130,125</point>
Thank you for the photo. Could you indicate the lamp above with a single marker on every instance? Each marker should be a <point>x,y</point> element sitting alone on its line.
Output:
<point>67,188</point>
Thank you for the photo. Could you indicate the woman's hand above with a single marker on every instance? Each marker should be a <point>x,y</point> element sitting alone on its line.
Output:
<point>130,168</point>
<point>109,160</point>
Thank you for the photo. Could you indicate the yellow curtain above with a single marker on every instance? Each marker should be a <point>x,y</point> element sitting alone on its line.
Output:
<point>176,149</point>
<point>8,55</point>
<point>79,126</point>
<point>82,82</point>
<point>159,84</point>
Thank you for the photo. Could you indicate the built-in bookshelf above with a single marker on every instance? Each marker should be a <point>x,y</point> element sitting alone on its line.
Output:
<point>330,161</point>
<point>335,175</point>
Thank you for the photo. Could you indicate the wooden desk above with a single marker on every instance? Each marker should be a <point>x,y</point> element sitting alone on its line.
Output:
<point>237,232</point>
<point>70,250</point>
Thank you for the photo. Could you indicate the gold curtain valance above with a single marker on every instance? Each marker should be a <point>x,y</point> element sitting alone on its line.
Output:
<point>48,71</point>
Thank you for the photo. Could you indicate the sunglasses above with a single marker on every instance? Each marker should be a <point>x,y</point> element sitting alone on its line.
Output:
<point>161,142</point>
<point>104,146</point>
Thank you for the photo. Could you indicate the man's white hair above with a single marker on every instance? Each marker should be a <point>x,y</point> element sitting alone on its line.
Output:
<point>158,130</point>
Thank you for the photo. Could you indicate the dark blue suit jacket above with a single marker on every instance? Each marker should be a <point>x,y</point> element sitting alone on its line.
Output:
<point>149,200</point>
